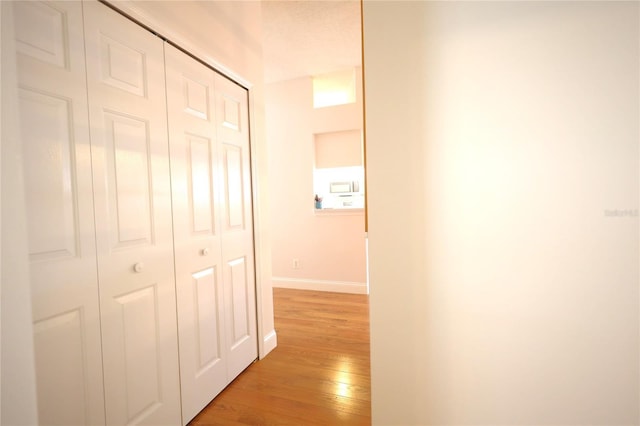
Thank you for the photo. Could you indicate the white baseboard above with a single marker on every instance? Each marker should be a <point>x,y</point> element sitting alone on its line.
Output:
<point>320,285</point>
<point>269,343</point>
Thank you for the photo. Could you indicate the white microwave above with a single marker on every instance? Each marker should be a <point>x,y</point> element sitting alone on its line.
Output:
<point>344,187</point>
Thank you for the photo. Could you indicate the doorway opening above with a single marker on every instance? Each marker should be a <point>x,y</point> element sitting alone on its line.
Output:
<point>314,114</point>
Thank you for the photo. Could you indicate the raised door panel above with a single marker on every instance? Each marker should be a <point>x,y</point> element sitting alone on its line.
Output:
<point>138,312</point>
<point>125,76</point>
<point>42,29</point>
<point>196,218</point>
<point>128,160</point>
<point>51,199</point>
<point>239,283</point>
<point>59,204</point>
<point>59,344</point>
<point>122,66</point>
<point>199,193</point>
<point>234,187</point>
<point>206,320</point>
<point>236,230</point>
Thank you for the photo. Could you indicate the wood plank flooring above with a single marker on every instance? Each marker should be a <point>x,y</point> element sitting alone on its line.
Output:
<point>318,374</point>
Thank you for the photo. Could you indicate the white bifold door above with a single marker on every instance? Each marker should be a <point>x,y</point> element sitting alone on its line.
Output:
<point>59,197</point>
<point>209,143</point>
<point>137,174</point>
<point>132,192</point>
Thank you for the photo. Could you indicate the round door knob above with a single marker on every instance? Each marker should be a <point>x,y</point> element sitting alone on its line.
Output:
<point>205,251</point>
<point>138,267</point>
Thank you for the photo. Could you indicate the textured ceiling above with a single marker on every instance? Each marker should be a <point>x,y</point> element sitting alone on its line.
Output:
<point>303,38</point>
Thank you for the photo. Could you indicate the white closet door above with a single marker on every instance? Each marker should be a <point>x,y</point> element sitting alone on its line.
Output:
<point>234,170</point>
<point>125,73</point>
<point>194,156</point>
<point>55,139</point>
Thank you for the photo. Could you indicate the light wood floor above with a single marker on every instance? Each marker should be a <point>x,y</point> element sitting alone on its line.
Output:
<point>318,374</point>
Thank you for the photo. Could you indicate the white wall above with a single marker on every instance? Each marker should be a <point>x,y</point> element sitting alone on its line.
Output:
<point>330,247</point>
<point>506,290</point>
<point>228,36</point>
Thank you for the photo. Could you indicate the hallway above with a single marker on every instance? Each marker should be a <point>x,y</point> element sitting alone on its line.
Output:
<point>318,374</point>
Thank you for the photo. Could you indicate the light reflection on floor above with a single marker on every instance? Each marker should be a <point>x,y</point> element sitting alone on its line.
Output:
<point>343,380</point>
